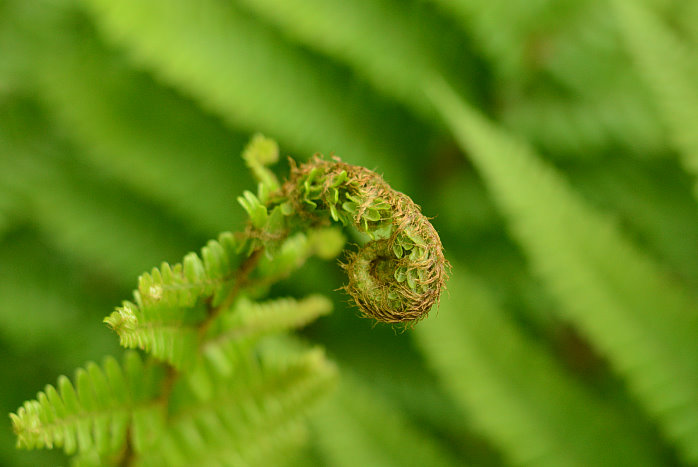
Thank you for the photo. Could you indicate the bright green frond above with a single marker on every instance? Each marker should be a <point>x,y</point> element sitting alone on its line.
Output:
<point>238,330</point>
<point>91,414</point>
<point>171,302</point>
<point>256,319</point>
<point>670,67</point>
<point>250,420</point>
<point>641,320</point>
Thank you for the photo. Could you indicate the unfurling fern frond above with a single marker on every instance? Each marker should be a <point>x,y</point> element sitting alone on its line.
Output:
<point>224,386</point>
<point>94,413</point>
<point>398,275</point>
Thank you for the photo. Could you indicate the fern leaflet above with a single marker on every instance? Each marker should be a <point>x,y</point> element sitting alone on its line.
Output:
<point>96,415</point>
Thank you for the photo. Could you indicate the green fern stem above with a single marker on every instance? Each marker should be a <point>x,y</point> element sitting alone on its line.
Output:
<point>398,274</point>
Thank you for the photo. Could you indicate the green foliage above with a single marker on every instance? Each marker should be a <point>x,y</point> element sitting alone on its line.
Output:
<point>82,83</point>
<point>566,335</point>
<point>252,417</point>
<point>248,99</point>
<point>95,413</point>
<point>641,320</point>
<point>513,391</point>
<point>220,395</point>
<point>670,67</point>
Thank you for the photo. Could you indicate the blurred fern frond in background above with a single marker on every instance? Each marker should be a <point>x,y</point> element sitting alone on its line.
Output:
<point>554,142</point>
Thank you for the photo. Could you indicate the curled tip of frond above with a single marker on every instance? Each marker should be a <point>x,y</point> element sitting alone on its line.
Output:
<point>399,274</point>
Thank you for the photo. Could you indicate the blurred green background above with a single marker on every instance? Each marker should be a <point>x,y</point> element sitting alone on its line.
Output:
<point>121,125</point>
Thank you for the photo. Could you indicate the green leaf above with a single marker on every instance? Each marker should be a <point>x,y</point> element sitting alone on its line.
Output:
<point>252,417</point>
<point>95,417</point>
<point>169,302</point>
<point>256,319</point>
<point>236,332</point>
<point>643,322</point>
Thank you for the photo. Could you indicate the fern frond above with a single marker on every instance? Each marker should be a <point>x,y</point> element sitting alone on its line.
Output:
<point>642,321</point>
<point>359,426</point>
<point>490,368</point>
<point>234,65</point>
<point>238,330</point>
<point>670,67</point>
<point>93,414</point>
<point>169,302</point>
<point>172,302</point>
<point>257,319</point>
<point>247,422</point>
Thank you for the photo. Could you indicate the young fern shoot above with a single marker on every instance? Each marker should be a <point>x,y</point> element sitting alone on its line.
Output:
<point>398,275</point>
<point>221,382</point>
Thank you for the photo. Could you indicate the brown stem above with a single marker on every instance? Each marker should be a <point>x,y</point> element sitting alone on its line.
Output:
<point>126,456</point>
<point>240,279</point>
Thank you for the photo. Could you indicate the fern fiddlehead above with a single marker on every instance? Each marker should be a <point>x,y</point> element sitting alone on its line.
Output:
<point>398,275</point>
